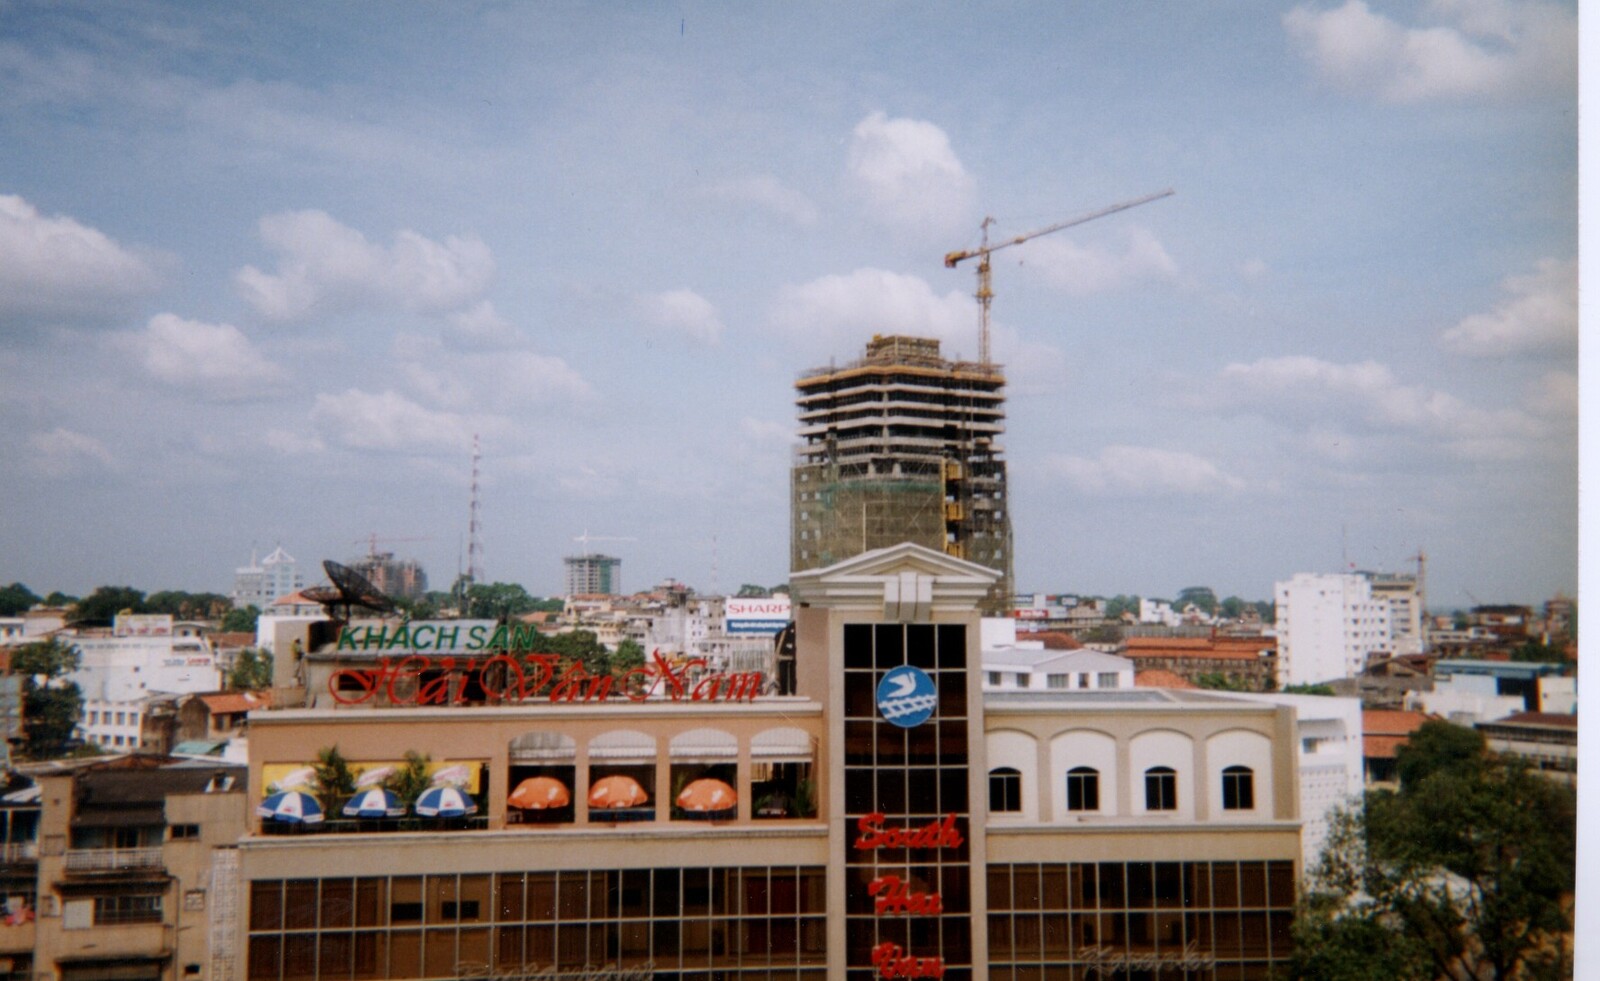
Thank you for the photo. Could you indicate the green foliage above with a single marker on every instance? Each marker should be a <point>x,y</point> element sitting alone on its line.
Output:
<point>1217,681</point>
<point>1105,634</point>
<point>1309,689</point>
<point>188,606</point>
<point>1467,871</point>
<point>252,670</point>
<point>501,599</point>
<point>1440,747</point>
<point>1117,605</point>
<point>59,600</point>
<point>334,780</point>
<point>1533,651</point>
<point>16,598</point>
<point>106,602</point>
<point>241,621</point>
<point>51,705</point>
<point>1232,607</point>
<point>1201,596</point>
<point>628,655</point>
<point>751,591</point>
<point>411,779</point>
<point>1268,611</point>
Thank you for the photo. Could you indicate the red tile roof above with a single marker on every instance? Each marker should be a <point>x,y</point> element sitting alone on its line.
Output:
<point>1562,720</point>
<point>1054,640</point>
<point>1161,678</point>
<point>230,703</point>
<point>232,638</point>
<point>1384,731</point>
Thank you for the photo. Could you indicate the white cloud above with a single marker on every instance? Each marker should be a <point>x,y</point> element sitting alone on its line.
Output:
<point>1083,269</point>
<point>388,421</point>
<point>324,265</point>
<point>770,194</point>
<point>215,358</point>
<point>911,177</point>
<point>1141,470</point>
<point>837,311</point>
<point>482,325</point>
<point>55,266</point>
<point>62,452</point>
<point>1555,395</point>
<point>1477,48</point>
<point>292,444</point>
<point>681,311</point>
<point>1540,315</point>
<point>501,380</point>
<point>1366,397</point>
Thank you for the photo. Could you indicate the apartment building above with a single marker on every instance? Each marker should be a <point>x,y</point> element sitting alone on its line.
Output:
<point>1329,626</point>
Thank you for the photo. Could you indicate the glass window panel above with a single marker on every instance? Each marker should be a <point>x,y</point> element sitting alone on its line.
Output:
<point>952,646</point>
<point>541,896</point>
<point>633,943</point>
<point>784,892</point>
<point>1054,935</point>
<point>666,896</point>
<point>572,943</point>
<point>472,895</point>
<point>370,964</point>
<point>1112,895</point>
<point>572,895</point>
<point>635,898</point>
<point>953,790</point>
<point>858,792</point>
<point>1254,934</point>
<point>813,940</point>
<point>541,942</point>
<point>923,798</point>
<point>370,908</point>
<point>300,903</point>
<point>1280,883</point>
<point>999,887</point>
<point>510,904</point>
<point>1141,887</point>
<point>264,956</point>
<point>338,902</point>
<point>299,956</point>
<point>334,956</point>
<point>664,944</point>
<point>1053,886</point>
<point>508,947</point>
<point>439,953</point>
<point>1224,885</point>
<point>1025,887</point>
<point>891,797</point>
<point>814,890</point>
<point>1252,884</point>
<point>696,892</point>
<point>897,644</point>
<point>857,645</point>
<point>266,905</point>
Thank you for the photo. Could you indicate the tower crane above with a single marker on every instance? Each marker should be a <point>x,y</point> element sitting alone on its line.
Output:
<point>985,290</point>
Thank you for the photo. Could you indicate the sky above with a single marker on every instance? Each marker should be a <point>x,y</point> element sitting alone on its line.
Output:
<point>267,271</point>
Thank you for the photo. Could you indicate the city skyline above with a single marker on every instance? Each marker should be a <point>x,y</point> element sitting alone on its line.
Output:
<point>265,273</point>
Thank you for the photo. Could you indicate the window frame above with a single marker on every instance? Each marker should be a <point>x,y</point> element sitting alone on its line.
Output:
<point>1008,781</point>
<point>1083,789</point>
<point>1160,789</point>
<point>1238,788</point>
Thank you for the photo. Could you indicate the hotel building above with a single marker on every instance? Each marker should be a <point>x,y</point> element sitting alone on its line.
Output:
<point>885,816</point>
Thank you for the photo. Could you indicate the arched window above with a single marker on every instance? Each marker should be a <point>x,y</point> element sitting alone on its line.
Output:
<point>1238,789</point>
<point>1005,790</point>
<point>1161,789</point>
<point>1083,789</point>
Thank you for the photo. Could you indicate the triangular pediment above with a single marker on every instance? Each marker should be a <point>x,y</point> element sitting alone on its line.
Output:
<point>911,579</point>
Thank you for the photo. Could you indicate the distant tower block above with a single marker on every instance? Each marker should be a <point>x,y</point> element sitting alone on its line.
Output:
<point>593,574</point>
<point>902,446</point>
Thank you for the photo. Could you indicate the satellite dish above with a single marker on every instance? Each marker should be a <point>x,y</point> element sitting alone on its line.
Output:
<point>350,589</point>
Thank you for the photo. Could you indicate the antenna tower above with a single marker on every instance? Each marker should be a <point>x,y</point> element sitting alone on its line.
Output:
<point>474,539</point>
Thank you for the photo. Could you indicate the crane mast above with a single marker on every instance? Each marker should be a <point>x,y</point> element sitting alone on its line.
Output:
<point>985,292</point>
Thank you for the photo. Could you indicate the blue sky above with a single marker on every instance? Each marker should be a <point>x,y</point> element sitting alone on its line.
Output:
<point>265,272</point>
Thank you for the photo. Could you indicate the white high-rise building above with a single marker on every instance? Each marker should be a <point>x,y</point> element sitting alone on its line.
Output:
<point>1328,626</point>
<point>258,584</point>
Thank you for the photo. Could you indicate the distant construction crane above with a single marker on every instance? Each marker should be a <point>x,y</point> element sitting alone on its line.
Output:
<point>372,540</point>
<point>985,287</point>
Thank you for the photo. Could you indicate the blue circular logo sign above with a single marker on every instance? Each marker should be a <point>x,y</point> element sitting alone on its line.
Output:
<point>906,696</point>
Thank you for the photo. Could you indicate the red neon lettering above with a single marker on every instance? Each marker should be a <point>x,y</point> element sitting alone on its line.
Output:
<point>892,961</point>
<point>513,678</point>
<point>896,897</point>
<point>544,669</point>
<point>934,834</point>
<point>404,671</point>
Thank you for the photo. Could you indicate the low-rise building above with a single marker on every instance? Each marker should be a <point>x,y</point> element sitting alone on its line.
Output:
<point>1383,732</point>
<point>1548,741</point>
<point>1248,661</point>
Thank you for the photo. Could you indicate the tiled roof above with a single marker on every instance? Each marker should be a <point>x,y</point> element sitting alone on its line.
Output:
<point>1558,719</point>
<point>1161,678</point>
<point>230,703</point>
<point>1382,747</point>
<point>1392,722</point>
<point>232,638</point>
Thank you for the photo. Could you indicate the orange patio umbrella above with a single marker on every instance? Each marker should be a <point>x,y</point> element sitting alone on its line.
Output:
<point>540,793</point>
<point>617,791</point>
<point>707,794</point>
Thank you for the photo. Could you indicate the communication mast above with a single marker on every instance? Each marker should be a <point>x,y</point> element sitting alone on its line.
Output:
<point>985,286</point>
<point>474,539</point>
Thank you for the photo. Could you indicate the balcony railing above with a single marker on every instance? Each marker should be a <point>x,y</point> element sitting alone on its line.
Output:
<point>113,859</point>
<point>18,851</point>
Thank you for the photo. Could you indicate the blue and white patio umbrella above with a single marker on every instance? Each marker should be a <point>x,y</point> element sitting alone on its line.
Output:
<point>445,802</point>
<point>291,807</point>
<point>374,803</point>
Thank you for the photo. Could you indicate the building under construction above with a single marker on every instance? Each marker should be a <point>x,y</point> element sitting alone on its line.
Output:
<point>902,446</point>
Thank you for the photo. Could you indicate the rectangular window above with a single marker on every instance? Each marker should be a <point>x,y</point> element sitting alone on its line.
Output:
<point>110,910</point>
<point>1058,681</point>
<point>1160,789</point>
<point>1238,789</point>
<point>1083,680</point>
<point>183,831</point>
<point>1108,679</point>
<point>1083,789</point>
<point>994,678</point>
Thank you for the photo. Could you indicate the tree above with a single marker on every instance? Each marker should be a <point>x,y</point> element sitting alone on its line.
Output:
<point>628,655</point>
<point>188,606</point>
<point>334,780</point>
<point>16,598</point>
<point>58,600</point>
<point>1534,651</point>
<point>1309,689</point>
<point>1117,605</point>
<point>1217,681</point>
<point>51,704</point>
<point>1232,607</point>
<point>106,602</point>
<point>410,779</point>
<point>1201,596</point>
<point>241,621</point>
<point>751,591</point>
<point>252,670</point>
<point>1467,872</point>
<point>501,599</point>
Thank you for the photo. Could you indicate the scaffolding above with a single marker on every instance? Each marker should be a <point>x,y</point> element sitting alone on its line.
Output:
<point>902,446</point>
